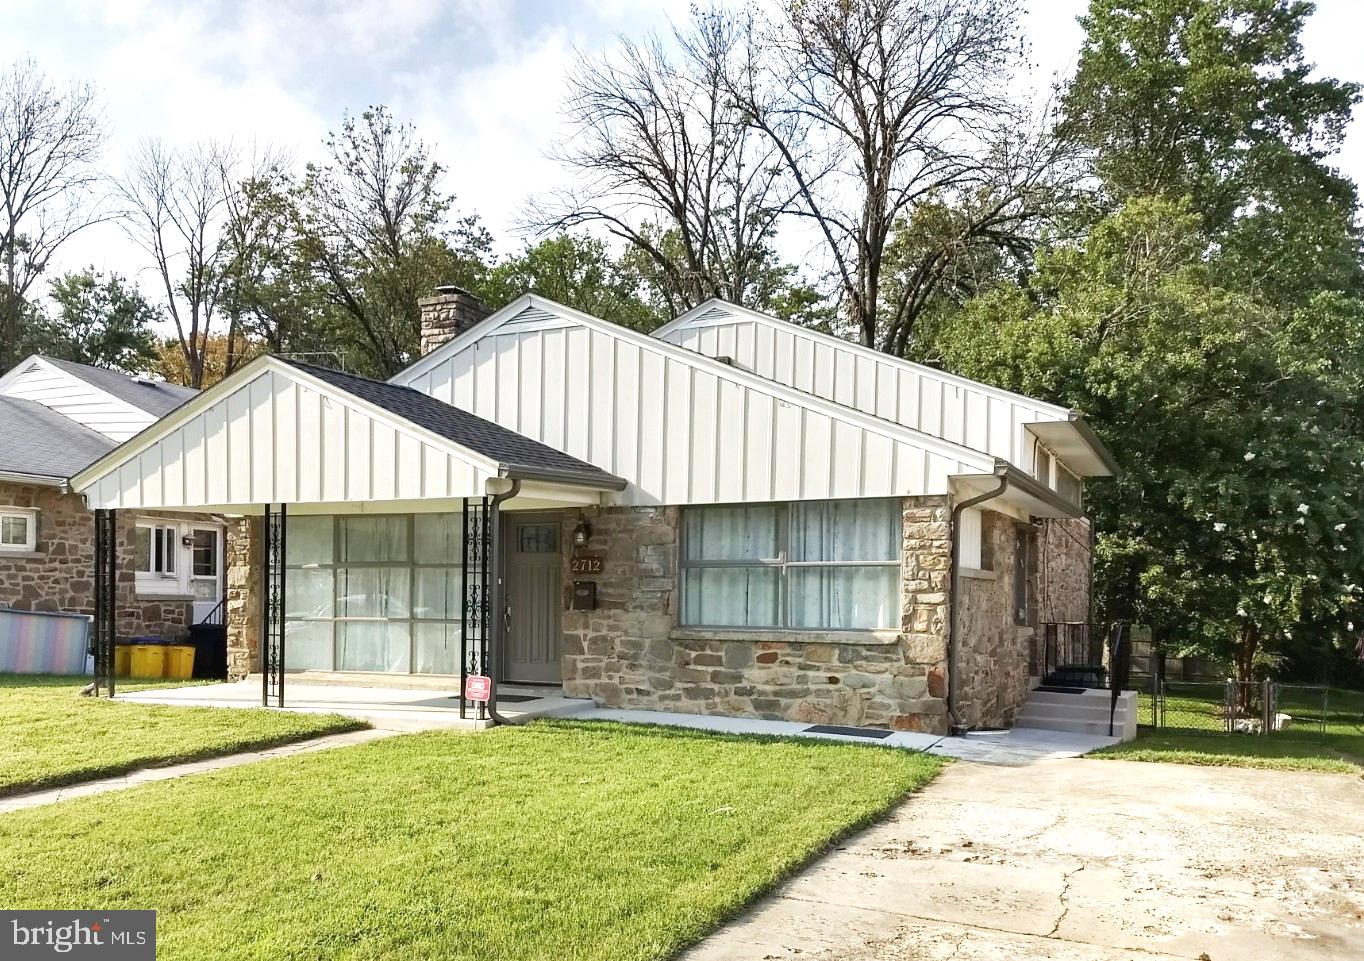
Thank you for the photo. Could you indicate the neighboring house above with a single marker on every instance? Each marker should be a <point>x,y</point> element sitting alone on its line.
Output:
<point>56,417</point>
<point>734,516</point>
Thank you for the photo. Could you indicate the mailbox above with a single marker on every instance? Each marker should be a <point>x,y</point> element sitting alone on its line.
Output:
<point>584,595</point>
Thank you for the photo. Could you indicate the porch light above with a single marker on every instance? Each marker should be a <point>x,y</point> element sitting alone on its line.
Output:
<point>582,533</point>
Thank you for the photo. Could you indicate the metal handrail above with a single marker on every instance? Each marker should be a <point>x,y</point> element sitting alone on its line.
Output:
<point>214,618</point>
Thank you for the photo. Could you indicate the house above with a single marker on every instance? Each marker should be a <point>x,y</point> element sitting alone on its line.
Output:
<point>735,515</point>
<point>56,417</point>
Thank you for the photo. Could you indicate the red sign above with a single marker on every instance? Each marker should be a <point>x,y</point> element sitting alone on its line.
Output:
<point>478,687</point>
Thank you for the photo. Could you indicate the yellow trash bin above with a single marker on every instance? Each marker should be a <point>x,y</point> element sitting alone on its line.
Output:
<point>149,660</point>
<point>180,661</point>
<point>123,659</point>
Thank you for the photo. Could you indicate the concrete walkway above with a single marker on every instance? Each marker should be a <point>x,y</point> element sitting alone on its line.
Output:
<point>1082,860</point>
<point>1015,746</point>
<point>146,775</point>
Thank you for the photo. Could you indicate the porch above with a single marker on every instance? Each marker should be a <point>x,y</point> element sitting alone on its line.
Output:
<point>376,699</point>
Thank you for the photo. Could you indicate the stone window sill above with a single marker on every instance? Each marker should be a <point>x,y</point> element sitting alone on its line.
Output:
<point>977,574</point>
<point>22,555</point>
<point>758,635</point>
<point>153,596</point>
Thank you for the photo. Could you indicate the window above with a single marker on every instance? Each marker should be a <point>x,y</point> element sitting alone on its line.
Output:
<point>976,551</point>
<point>1022,564</point>
<point>1041,466</point>
<point>832,565</point>
<point>205,553</point>
<point>1068,485</point>
<point>374,593</point>
<point>18,530</point>
<point>156,548</point>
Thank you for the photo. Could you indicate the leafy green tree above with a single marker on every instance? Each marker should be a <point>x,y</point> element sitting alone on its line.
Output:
<point>377,233</point>
<point>1213,100</point>
<point>578,272</point>
<point>101,321</point>
<point>1236,527</point>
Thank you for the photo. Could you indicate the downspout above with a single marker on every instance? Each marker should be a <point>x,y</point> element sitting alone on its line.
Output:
<point>954,722</point>
<point>497,602</point>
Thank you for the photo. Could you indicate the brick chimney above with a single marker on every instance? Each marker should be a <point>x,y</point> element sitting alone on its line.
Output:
<point>449,313</point>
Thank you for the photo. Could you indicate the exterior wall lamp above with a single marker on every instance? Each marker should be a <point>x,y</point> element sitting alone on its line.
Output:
<point>582,533</point>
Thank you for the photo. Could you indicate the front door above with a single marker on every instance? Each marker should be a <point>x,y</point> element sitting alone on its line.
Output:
<point>534,595</point>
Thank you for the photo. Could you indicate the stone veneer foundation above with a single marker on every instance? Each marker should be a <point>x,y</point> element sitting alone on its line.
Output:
<point>59,574</point>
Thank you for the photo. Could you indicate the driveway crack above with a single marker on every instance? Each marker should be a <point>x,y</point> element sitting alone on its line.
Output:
<point>1064,898</point>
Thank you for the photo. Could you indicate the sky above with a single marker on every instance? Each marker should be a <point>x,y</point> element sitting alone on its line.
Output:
<point>482,80</point>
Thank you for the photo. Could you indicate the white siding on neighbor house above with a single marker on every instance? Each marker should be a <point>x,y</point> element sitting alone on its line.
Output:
<point>680,428</point>
<point>72,397</point>
<point>276,439</point>
<point>953,408</point>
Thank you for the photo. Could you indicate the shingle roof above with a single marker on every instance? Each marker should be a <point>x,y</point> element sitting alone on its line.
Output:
<point>37,440</point>
<point>468,430</point>
<point>155,397</point>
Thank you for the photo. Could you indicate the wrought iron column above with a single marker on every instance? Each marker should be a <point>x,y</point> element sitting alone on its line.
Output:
<point>106,597</point>
<point>272,606</point>
<point>473,634</point>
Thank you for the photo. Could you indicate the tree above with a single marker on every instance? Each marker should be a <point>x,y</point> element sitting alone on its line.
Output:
<point>101,321</point>
<point>177,202</point>
<point>374,232</point>
<point>1236,525</point>
<point>1213,100</point>
<point>668,163</point>
<point>170,364</point>
<point>901,115</point>
<point>50,142</point>
<point>578,272</point>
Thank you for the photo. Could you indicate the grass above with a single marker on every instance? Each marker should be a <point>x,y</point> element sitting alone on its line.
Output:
<point>1331,741</point>
<point>569,841</point>
<point>52,736</point>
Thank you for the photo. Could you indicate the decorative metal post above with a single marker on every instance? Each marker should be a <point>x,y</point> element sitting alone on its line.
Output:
<point>106,597</point>
<point>272,606</point>
<point>473,634</point>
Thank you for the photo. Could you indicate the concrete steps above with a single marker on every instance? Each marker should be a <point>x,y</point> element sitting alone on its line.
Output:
<point>1086,712</point>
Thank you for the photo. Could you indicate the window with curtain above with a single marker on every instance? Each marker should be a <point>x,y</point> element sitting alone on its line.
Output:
<point>817,565</point>
<point>373,593</point>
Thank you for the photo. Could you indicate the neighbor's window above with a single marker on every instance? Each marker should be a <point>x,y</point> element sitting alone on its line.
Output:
<point>808,565</point>
<point>18,530</point>
<point>976,552</point>
<point>1041,466</point>
<point>156,549</point>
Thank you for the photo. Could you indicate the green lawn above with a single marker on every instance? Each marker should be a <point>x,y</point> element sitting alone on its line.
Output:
<point>558,840</point>
<point>1309,745</point>
<point>50,735</point>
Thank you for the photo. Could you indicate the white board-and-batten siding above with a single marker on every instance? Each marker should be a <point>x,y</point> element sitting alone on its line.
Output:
<point>275,439</point>
<point>72,397</point>
<point>679,428</point>
<point>961,411</point>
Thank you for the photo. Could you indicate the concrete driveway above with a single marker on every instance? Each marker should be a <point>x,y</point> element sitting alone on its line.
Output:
<point>1082,859</point>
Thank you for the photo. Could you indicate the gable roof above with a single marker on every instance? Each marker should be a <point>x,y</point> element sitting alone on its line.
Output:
<point>153,396</point>
<point>508,448</point>
<point>37,441</point>
<point>990,419</point>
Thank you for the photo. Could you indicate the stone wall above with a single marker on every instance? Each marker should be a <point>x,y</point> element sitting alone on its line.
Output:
<point>1063,570</point>
<point>60,574</point>
<point>631,653</point>
<point>243,615</point>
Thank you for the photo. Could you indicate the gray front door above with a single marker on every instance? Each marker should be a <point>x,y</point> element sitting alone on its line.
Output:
<point>534,595</point>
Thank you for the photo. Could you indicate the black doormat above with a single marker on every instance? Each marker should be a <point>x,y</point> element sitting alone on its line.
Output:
<point>1053,689</point>
<point>518,698</point>
<point>871,732</point>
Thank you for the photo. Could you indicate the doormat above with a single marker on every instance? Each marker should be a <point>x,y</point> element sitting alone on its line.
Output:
<point>1053,689</point>
<point>871,732</point>
<point>518,698</point>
